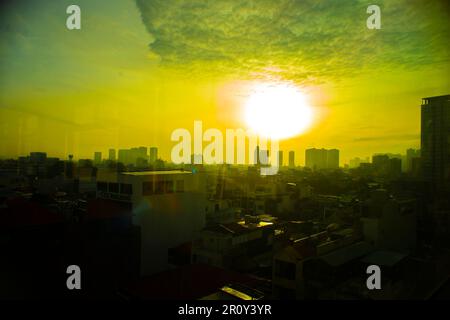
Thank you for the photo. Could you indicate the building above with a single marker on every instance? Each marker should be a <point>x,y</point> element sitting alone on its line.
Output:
<point>134,156</point>
<point>318,159</point>
<point>288,275</point>
<point>38,165</point>
<point>291,159</point>
<point>168,207</point>
<point>389,223</point>
<point>123,156</point>
<point>354,163</point>
<point>153,154</point>
<point>387,165</point>
<point>237,245</point>
<point>97,157</point>
<point>38,156</point>
<point>410,155</point>
<point>112,155</point>
<point>280,158</point>
<point>333,159</point>
<point>435,143</point>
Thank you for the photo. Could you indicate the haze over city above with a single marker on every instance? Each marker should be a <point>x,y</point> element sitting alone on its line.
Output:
<point>134,73</point>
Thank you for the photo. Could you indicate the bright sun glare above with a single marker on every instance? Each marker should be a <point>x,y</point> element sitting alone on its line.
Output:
<point>278,111</point>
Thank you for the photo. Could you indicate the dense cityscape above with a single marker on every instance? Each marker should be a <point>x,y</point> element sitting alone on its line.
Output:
<point>140,227</point>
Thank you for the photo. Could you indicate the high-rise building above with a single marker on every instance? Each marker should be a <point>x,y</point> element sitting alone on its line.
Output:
<point>280,158</point>
<point>316,158</point>
<point>333,159</point>
<point>124,156</point>
<point>97,157</point>
<point>387,165</point>
<point>322,158</point>
<point>112,155</point>
<point>153,154</point>
<point>435,141</point>
<point>354,163</point>
<point>291,159</point>
<point>380,163</point>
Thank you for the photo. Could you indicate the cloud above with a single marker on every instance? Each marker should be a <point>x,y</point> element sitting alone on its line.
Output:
<point>304,41</point>
<point>396,137</point>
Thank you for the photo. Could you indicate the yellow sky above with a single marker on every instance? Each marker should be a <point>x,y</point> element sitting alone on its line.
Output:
<point>76,92</point>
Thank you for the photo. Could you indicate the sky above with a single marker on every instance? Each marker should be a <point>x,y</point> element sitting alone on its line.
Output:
<point>138,70</point>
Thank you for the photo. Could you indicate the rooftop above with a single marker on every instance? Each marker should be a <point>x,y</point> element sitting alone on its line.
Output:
<point>346,254</point>
<point>384,258</point>
<point>187,282</point>
<point>237,227</point>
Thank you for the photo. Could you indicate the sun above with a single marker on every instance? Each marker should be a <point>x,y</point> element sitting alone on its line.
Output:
<point>277,111</point>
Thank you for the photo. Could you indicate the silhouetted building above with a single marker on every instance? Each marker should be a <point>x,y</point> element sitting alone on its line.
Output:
<point>112,155</point>
<point>133,156</point>
<point>97,157</point>
<point>333,159</point>
<point>410,155</point>
<point>123,156</point>
<point>280,158</point>
<point>395,167</point>
<point>322,158</point>
<point>387,167</point>
<point>435,147</point>
<point>354,163</point>
<point>291,159</point>
<point>38,165</point>
<point>38,156</point>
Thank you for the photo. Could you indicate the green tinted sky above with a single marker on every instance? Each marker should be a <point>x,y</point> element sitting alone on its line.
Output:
<point>139,69</point>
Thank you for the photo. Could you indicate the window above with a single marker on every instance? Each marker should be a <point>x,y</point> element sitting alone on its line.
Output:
<point>180,185</point>
<point>159,187</point>
<point>169,186</point>
<point>147,188</point>
<point>113,187</point>
<point>126,188</point>
<point>102,186</point>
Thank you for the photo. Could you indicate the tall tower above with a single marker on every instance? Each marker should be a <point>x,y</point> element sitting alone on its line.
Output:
<point>112,155</point>
<point>97,157</point>
<point>333,159</point>
<point>280,158</point>
<point>435,141</point>
<point>291,159</point>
